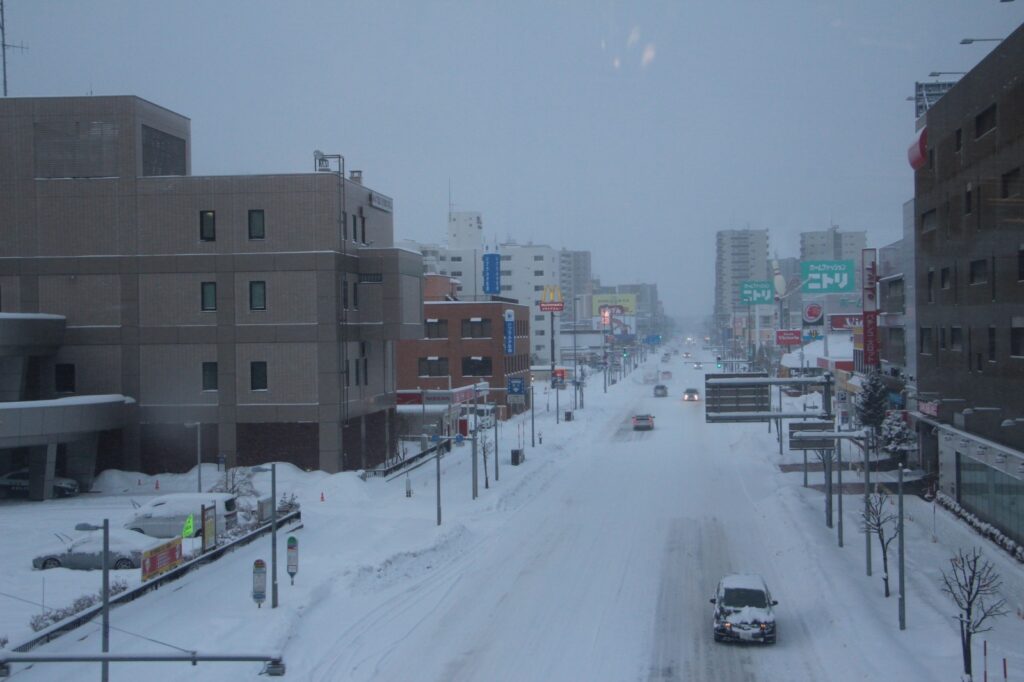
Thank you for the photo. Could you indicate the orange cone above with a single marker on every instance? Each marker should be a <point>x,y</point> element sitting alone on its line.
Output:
<point>321,496</point>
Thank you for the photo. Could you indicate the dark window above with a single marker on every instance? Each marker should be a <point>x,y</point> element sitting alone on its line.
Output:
<point>930,290</point>
<point>1017,337</point>
<point>504,287</point>
<point>476,328</point>
<point>209,376</point>
<point>1020,263</point>
<point>991,344</point>
<point>355,220</point>
<point>371,277</point>
<point>506,258</point>
<point>357,363</point>
<point>925,340</point>
<point>978,273</point>
<point>538,287</point>
<point>956,338</point>
<point>942,338</point>
<point>436,329</point>
<point>344,293</point>
<point>968,202</point>
<point>476,367</point>
<point>207,226</point>
<point>433,367</point>
<point>257,228</point>
<point>257,376</point>
<point>538,258</point>
<point>944,278</point>
<point>538,318</point>
<point>456,259</point>
<point>456,273</point>
<point>958,141</point>
<point>208,297</point>
<point>506,273</point>
<point>257,295</point>
<point>64,378</point>
<point>355,295</point>
<point>985,121</point>
<point>538,273</point>
<point>362,229</point>
<point>929,220</point>
<point>162,154</point>
<point>1011,185</point>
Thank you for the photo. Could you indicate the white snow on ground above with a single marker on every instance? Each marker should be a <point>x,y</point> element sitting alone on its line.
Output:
<point>594,560</point>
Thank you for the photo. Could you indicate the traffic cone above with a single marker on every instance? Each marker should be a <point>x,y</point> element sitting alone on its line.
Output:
<point>321,495</point>
<point>158,484</point>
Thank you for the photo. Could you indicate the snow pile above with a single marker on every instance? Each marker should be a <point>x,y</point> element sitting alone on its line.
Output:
<point>1015,549</point>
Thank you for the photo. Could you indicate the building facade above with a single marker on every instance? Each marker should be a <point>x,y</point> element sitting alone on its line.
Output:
<point>969,235</point>
<point>740,255</point>
<point>252,308</point>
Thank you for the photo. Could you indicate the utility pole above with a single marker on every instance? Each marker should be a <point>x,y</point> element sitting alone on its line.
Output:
<point>533,441</point>
<point>903,587</point>
<point>4,45</point>
<point>475,418</point>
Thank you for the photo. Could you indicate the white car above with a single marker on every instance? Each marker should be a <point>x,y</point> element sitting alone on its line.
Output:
<point>164,516</point>
<point>743,610</point>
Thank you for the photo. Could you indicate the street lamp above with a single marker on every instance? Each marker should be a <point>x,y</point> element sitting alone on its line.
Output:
<point>273,529</point>
<point>105,670</point>
<point>199,454</point>
<point>968,41</point>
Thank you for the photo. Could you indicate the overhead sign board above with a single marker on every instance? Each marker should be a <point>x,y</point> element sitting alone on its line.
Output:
<point>756,292</point>
<point>827,276</point>
<point>811,443</point>
<point>721,400</point>
<point>492,273</point>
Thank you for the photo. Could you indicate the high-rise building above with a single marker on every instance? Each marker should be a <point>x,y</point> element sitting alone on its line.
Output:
<point>832,244</point>
<point>260,310</point>
<point>574,276</point>
<point>740,255</point>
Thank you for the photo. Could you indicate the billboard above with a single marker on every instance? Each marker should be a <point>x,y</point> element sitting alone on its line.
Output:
<point>787,337</point>
<point>551,300</point>
<point>492,273</point>
<point>510,332</point>
<point>756,292</point>
<point>840,322</point>
<point>161,558</point>
<point>827,276</point>
<point>871,349</point>
<point>813,314</point>
<point>625,301</point>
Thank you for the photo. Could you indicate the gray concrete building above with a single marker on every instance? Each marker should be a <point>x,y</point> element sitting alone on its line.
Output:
<point>262,308</point>
<point>740,255</point>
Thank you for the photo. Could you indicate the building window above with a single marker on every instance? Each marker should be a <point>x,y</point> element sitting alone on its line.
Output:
<point>538,318</point>
<point>476,328</point>
<point>436,329</point>
<point>538,287</point>
<point>506,287</point>
<point>257,228</point>
<point>925,340</point>
<point>1017,337</point>
<point>207,226</point>
<point>942,338</point>
<point>355,221</point>
<point>506,258</point>
<point>930,289</point>
<point>985,121</point>
<point>539,332</point>
<point>958,142</point>
<point>362,229</point>
<point>506,273</point>
<point>209,376</point>
<point>536,258</point>
<point>539,346</point>
<point>476,366</point>
<point>258,376</point>
<point>372,277</point>
<point>344,293</point>
<point>1011,185</point>
<point>355,295</point>
<point>968,202</point>
<point>956,338</point>
<point>208,296</point>
<point>991,344</point>
<point>944,278</point>
<point>978,272</point>
<point>433,367</point>
<point>257,295</point>
<point>456,273</point>
<point>64,378</point>
<point>929,221</point>
<point>1020,263</point>
<point>538,273</point>
<point>456,259</point>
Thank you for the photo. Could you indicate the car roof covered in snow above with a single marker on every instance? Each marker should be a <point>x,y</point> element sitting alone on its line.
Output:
<point>749,581</point>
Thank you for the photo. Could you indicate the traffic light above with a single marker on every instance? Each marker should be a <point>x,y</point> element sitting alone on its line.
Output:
<point>718,359</point>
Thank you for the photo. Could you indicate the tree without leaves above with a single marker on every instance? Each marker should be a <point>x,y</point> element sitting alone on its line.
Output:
<point>877,519</point>
<point>973,585</point>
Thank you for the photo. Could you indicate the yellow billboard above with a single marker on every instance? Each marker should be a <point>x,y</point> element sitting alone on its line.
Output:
<point>625,301</point>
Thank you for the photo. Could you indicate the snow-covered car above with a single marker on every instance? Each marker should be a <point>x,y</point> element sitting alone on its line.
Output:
<point>643,422</point>
<point>743,610</point>
<point>164,516</point>
<point>85,552</point>
<point>660,391</point>
<point>691,395</point>
<point>16,483</point>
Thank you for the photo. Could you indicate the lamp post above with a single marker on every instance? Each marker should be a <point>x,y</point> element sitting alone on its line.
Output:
<point>273,529</point>
<point>575,377</point>
<point>199,454</point>
<point>903,592</point>
<point>105,670</point>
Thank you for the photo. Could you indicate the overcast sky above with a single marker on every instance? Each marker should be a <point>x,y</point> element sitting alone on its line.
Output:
<point>635,130</point>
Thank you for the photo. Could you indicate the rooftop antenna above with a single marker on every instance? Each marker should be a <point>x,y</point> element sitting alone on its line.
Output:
<point>4,46</point>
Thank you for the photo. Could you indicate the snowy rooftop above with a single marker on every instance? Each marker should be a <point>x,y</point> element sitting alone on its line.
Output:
<point>840,347</point>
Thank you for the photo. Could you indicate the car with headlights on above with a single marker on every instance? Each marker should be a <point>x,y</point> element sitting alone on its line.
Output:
<point>744,610</point>
<point>85,552</point>
<point>691,395</point>
<point>643,422</point>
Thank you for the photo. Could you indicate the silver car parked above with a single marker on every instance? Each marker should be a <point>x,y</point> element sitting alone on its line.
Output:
<point>85,552</point>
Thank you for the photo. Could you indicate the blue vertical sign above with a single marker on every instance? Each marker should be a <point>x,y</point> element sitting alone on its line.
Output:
<point>492,273</point>
<point>510,332</point>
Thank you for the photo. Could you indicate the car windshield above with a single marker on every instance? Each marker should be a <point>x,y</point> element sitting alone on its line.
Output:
<point>739,597</point>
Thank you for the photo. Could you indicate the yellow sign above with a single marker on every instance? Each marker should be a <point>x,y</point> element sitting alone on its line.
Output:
<point>625,301</point>
<point>552,294</point>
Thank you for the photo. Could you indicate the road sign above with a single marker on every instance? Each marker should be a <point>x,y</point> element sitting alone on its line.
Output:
<point>755,292</point>
<point>516,386</point>
<point>516,399</point>
<point>827,276</point>
<point>510,332</point>
<point>492,273</point>
<point>459,438</point>
<point>811,443</point>
<point>721,400</point>
<point>293,557</point>
<point>435,438</point>
<point>259,582</point>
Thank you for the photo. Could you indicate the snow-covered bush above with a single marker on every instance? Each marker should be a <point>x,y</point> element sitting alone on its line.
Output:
<point>51,616</point>
<point>896,436</point>
<point>1015,549</point>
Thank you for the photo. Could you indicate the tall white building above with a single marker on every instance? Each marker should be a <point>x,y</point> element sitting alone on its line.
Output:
<point>831,244</point>
<point>575,278</point>
<point>739,255</point>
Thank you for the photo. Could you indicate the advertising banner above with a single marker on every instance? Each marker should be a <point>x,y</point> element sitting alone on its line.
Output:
<point>510,332</point>
<point>827,276</point>
<point>869,279</point>
<point>787,337</point>
<point>813,314</point>
<point>626,303</point>
<point>551,299</point>
<point>209,527</point>
<point>841,322</point>
<point>756,292</point>
<point>161,558</point>
<point>871,349</point>
<point>492,273</point>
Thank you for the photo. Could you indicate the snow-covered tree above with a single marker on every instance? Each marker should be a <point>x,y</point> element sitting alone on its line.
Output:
<point>973,585</point>
<point>873,401</point>
<point>897,438</point>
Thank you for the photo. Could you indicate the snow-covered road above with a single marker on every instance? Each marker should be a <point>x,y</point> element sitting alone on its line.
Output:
<point>593,561</point>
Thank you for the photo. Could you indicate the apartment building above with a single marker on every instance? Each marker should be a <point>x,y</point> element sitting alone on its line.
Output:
<point>740,255</point>
<point>260,310</point>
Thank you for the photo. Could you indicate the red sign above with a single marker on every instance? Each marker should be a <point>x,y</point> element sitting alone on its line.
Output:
<point>552,306</point>
<point>929,407</point>
<point>813,314</point>
<point>560,374</point>
<point>787,337</point>
<point>844,322</point>
<point>869,279</point>
<point>161,559</point>
<point>871,354</point>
